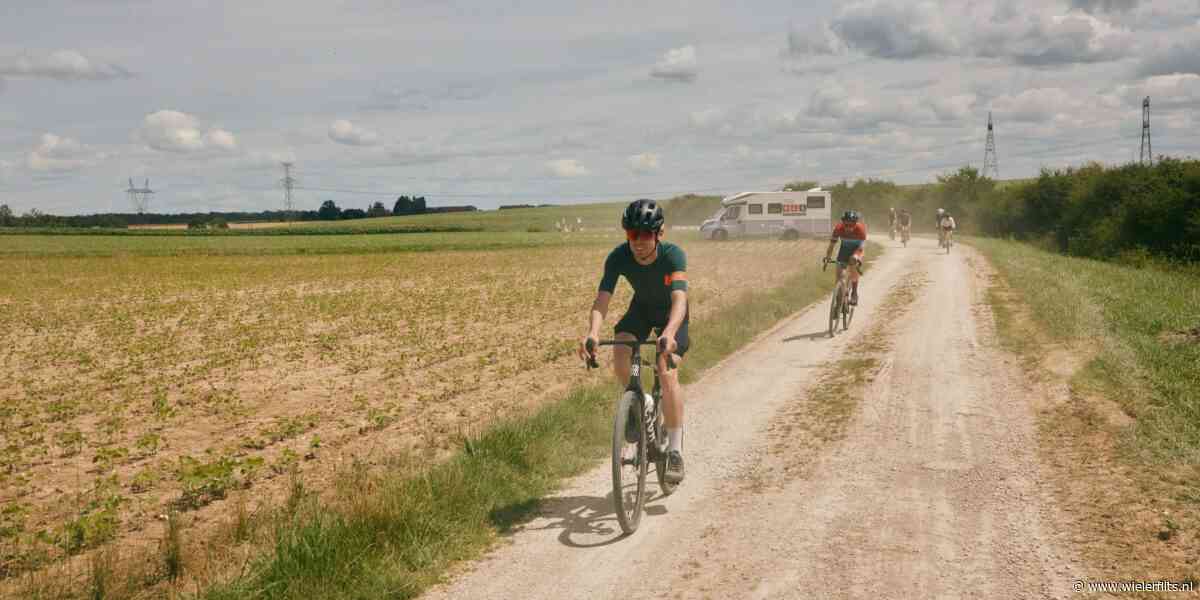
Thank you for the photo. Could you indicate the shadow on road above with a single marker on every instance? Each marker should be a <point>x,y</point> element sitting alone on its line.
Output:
<point>812,337</point>
<point>588,521</point>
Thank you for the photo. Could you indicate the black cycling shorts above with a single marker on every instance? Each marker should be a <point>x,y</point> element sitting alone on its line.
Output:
<point>639,320</point>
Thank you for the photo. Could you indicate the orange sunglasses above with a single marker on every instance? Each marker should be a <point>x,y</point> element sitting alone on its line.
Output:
<point>639,234</point>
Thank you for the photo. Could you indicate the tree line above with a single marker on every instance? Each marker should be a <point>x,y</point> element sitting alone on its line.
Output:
<point>328,211</point>
<point>1108,212</point>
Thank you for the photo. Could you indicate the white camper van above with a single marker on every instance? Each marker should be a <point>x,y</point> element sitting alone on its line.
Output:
<point>787,215</point>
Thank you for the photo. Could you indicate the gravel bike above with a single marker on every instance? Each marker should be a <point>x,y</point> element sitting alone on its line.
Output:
<point>639,436</point>
<point>839,304</point>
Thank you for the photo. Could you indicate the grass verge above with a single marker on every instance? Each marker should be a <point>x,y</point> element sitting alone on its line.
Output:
<point>1115,352</point>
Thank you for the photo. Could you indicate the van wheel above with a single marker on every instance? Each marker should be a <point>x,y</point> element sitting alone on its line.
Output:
<point>720,235</point>
<point>791,235</point>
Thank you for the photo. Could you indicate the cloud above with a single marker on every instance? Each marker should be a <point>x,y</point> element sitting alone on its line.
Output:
<point>646,162</point>
<point>1105,6</point>
<point>1037,105</point>
<point>566,167</point>
<point>1058,40</point>
<point>1179,58</point>
<point>814,38</point>
<point>345,132</point>
<point>953,108</point>
<point>63,65</point>
<point>1026,33</point>
<point>899,31</point>
<point>678,64</point>
<point>1180,90</point>
<point>177,132</point>
<point>55,154</point>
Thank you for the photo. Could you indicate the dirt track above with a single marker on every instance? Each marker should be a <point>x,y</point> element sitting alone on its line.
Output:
<point>934,491</point>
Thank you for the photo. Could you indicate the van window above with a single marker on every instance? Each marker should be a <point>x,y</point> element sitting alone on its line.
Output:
<point>816,201</point>
<point>755,209</point>
<point>775,208</point>
<point>732,213</point>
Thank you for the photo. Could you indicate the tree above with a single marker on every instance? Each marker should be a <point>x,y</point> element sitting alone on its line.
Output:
<point>6,216</point>
<point>354,213</point>
<point>378,210</point>
<point>799,186</point>
<point>403,206</point>
<point>329,211</point>
<point>419,205</point>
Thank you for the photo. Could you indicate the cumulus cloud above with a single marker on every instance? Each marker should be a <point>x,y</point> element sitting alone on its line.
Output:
<point>178,132</point>
<point>894,30</point>
<point>1028,33</point>
<point>1056,40</point>
<point>1179,58</point>
<point>1037,105</point>
<point>814,38</point>
<point>646,162</point>
<point>566,167</point>
<point>63,65</point>
<point>1180,90</point>
<point>678,64</point>
<point>345,132</point>
<point>60,154</point>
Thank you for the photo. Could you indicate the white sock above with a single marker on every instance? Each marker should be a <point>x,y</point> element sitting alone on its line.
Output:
<point>675,439</point>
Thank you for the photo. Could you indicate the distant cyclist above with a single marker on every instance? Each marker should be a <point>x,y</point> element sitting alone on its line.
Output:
<point>937,226</point>
<point>657,271</point>
<point>905,221</point>
<point>892,222</point>
<point>946,227</point>
<point>853,234</point>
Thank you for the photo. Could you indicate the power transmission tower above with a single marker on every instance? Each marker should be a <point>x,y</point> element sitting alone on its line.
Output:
<point>1147,153</point>
<point>990,164</point>
<point>139,197</point>
<point>288,183</point>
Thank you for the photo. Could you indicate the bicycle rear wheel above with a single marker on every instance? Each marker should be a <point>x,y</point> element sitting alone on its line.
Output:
<point>629,464</point>
<point>847,315</point>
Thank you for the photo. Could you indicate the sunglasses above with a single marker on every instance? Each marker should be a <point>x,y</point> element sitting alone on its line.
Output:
<point>637,234</point>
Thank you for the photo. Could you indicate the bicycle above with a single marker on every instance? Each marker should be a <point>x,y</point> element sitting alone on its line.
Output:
<point>839,305</point>
<point>645,424</point>
<point>904,235</point>
<point>949,241</point>
<point>892,233</point>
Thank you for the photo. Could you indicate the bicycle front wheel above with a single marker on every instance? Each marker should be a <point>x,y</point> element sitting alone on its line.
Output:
<point>835,309</point>
<point>629,464</point>
<point>661,445</point>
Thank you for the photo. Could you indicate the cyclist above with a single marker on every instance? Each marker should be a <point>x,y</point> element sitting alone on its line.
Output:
<point>905,220</point>
<point>892,222</point>
<point>946,227</point>
<point>657,271</point>
<point>853,234</point>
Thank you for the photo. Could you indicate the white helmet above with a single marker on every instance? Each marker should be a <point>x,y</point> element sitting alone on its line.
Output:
<point>941,210</point>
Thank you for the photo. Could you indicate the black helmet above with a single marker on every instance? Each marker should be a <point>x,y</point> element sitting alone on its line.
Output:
<point>850,215</point>
<point>645,215</point>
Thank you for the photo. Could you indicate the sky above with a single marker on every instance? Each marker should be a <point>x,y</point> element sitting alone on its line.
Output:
<point>541,101</point>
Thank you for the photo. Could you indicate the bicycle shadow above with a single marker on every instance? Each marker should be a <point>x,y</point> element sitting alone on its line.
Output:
<point>588,521</point>
<point>814,336</point>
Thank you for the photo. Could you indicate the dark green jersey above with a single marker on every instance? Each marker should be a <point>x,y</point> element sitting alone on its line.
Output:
<point>652,283</point>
